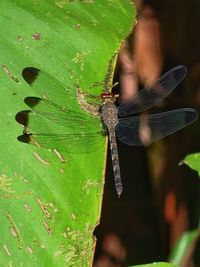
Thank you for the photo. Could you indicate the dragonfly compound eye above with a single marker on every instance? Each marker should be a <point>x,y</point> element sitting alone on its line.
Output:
<point>107,95</point>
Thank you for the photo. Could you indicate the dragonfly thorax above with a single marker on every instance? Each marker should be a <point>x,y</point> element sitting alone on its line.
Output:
<point>109,114</point>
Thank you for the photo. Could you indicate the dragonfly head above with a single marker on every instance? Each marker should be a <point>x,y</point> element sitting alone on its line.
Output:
<point>108,96</point>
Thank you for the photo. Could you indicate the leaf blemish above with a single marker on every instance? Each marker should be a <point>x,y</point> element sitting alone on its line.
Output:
<point>89,185</point>
<point>14,230</point>
<point>5,184</point>
<point>6,250</point>
<point>18,176</point>
<point>37,36</point>
<point>9,73</point>
<point>45,162</point>
<point>43,208</point>
<point>29,250</point>
<point>77,26</point>
<point>48,228</point>
<point>87,107</point>
<point>73,216</point>
<point>80,58</point>
<point>16,196</point>
<point>28,208</point>
<point>81,246</point>
<point>59,155</point>
<point>39,243</point>
<point>20,38</point>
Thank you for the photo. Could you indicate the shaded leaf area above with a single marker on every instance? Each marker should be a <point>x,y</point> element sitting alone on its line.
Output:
<point>49,202</point>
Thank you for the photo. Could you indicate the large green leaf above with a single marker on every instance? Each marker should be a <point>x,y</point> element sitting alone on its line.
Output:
<point>48,207</point>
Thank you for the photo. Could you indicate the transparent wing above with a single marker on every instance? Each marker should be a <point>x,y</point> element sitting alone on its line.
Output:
<point>56,119</point>
<point>50,88</point>
<point>59,114</point>
<point>75,133</point>
<point>144,130</point>
<point>65,143</point>
<point>149,97</point>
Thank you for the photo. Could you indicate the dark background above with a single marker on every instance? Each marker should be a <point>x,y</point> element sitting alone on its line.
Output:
<point>160,199</point>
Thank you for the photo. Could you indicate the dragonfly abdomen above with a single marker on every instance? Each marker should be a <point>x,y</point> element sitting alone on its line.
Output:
<point>110,119</point>
<point>115,162</point>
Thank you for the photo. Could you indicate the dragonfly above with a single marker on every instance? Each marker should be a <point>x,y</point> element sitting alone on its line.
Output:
<point>80,120</point>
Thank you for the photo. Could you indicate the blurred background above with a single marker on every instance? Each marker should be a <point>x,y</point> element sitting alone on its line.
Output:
<point>161,197</point>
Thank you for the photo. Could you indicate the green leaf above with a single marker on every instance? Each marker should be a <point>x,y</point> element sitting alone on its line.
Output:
<point>50,203</point>
<point>156,264</point>
<point>184,248</point>
<point>193,161</point>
